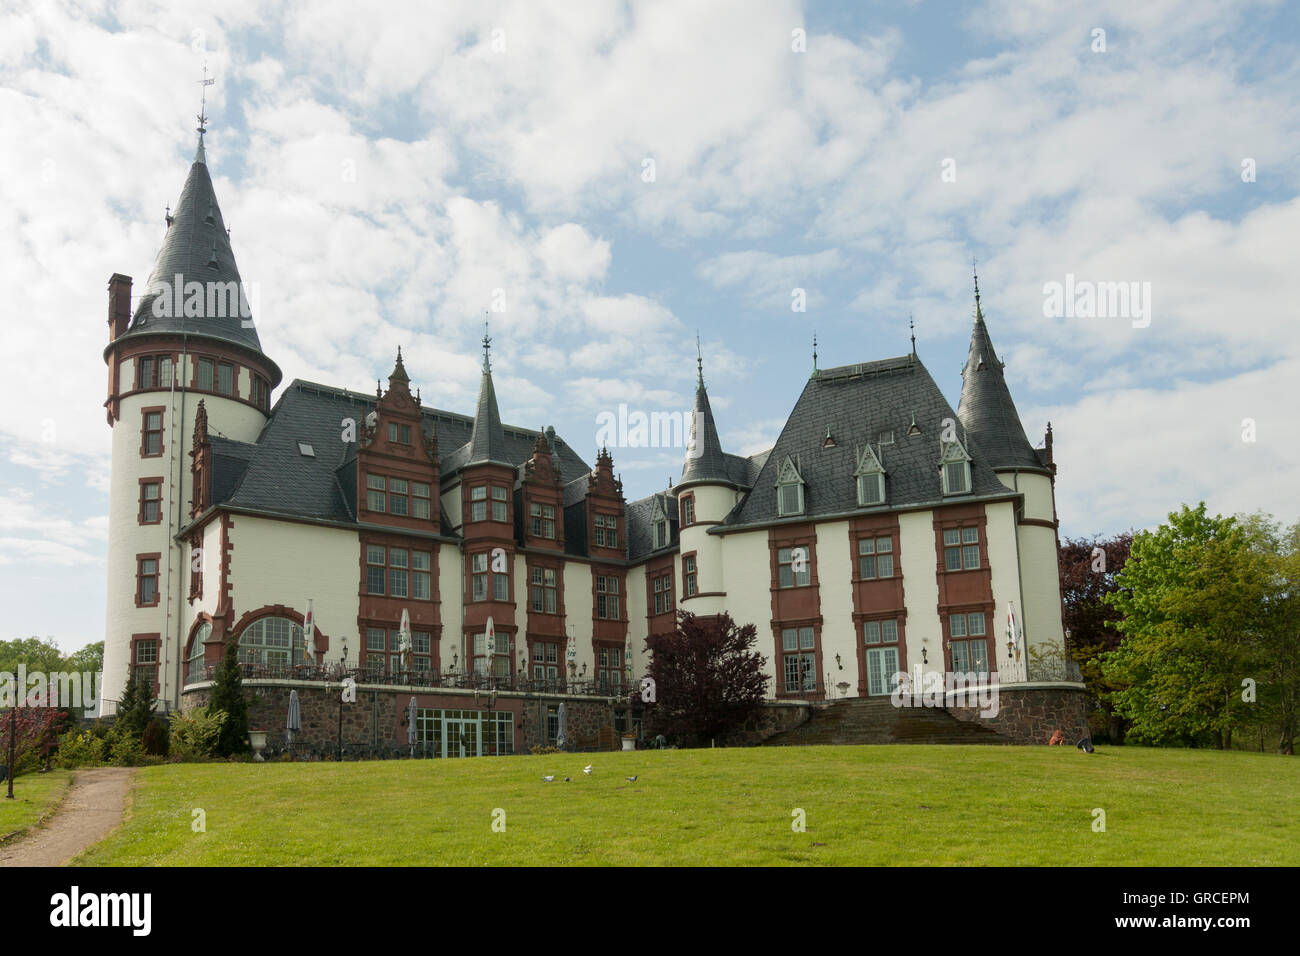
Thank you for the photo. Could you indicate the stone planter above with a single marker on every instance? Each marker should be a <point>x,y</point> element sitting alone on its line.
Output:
<point>257,738</point>
<point>629,743</point>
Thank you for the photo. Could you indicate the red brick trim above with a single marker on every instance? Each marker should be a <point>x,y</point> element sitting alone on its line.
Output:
<point>157,639</point>
<point>778,659</point>
<point>156,556</point>
<point>860,618</point>
<point>162,430</point>
<point>139,514</point>
<point>322,641</point>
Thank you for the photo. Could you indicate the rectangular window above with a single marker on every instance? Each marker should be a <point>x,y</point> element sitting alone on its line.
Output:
<point>661,534</point>
<point>875,558</point>
<point>147,581</point>
<point>499,506</point>
<point>501,660</point>
<point>421,568</point>
<point>790,499</point>
<point>871,489</point>
<point>375,569</point>
<point>375,496</point>
<point>226,378</point>
<point>961,549</point>
<point>606,531</point>
<point>397,500</point>
<point>478,503</point>
<point>146,663</point>
<point>793,569</point>
<point>546,661</point>
<point>799,660</point>
<point>880,632</point>
<point>152,444</point>
<point>688,510</point>
<point>376,650</point>
<point>970,657</point>
<point>688,572</point>
<point>955,471</point>
<point>882,670</point>
<point>479,577</point>
<point>144,372</point>
<point>607,600</point>
<point>419,500</point>
<point>543,591</point>
<point>609,669</point>
<point>398,581</point>
<point>166,379</point>
<point>204,379</point>
<point>500,586</point>
<point>151,502</point>
<point>663,585</point>
<point>542,520</point>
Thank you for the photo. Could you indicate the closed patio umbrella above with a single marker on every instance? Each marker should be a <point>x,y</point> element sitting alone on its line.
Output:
<point>562,718</point>
<point>294,722</point>
<point>410,725</point>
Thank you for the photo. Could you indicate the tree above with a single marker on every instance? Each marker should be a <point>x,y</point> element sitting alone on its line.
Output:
<point>1191,596</point>
<point>89,659</point>
<point>1089,569</point>
<point>228,696</point>
<point>135,708</point>
<point>33,653</point>
<point>1278,697</point>
<point>707,677</point>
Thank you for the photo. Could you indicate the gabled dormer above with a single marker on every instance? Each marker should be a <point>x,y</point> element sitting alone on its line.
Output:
<point>789,488</point>
<point>606,528</point>
<point>869,476</point>
<point>541,502</point>
<point>397,461</point>
<point>954,466</point>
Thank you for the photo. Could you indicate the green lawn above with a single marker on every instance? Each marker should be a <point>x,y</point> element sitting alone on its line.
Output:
<point>916,805</point>
<point>34,793</point>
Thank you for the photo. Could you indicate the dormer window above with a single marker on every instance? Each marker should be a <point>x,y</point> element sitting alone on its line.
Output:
<point>870,474</point>
<point>661,534</point>
<point>606,531</point>
<point>399,434</point>
<point>789,490</point>
<point>954,467</point>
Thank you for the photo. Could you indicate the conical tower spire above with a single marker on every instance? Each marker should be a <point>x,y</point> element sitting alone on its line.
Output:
<point>986,409</point>
<point>704,458</point>
<point>487,442</point>
<point>195,287</point>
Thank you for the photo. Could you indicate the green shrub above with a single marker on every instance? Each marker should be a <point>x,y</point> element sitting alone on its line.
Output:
<point>196,733</point>
<point>81,748</point>
<point>124,748</point>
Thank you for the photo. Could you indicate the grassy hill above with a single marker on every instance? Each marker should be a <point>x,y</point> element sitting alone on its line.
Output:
<point>863,805</point>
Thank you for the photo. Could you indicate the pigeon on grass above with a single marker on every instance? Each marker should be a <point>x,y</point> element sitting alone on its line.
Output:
<point>548,779</point>
<point>587,770</point>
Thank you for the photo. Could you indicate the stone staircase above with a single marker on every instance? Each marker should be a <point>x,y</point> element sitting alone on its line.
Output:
<point>875,720</point>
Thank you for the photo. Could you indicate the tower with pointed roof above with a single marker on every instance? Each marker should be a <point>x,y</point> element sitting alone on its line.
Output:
<point>705,496</point>
<point>184,359</point>
<point>993,426</point>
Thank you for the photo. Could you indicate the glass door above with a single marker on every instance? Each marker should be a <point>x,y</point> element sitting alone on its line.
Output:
<point>460,738</point>
<point>882,670</point>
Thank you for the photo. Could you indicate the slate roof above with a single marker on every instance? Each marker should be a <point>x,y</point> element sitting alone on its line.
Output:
<point>705,460</point>
<point>858,402</point>
<point>986,408</point>
<point>196,237</point>
<point>274,476</point>
<point>641,516</point>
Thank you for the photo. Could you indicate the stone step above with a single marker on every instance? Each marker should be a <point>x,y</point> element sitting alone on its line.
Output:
<point>875,720</point>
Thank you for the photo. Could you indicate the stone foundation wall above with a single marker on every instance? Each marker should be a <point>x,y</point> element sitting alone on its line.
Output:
<point>1031,713</point>
<point>775,717</point>
<point>379,713</point>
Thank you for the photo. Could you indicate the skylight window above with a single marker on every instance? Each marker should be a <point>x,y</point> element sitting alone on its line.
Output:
<point>306,450</point>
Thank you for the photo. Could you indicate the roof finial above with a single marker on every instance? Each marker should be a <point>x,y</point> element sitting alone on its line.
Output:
<point>199,156</point>
<point>699,361</point>
<point>815,354</point>
<point>979,315</point>
<point>487,344</point>
<point>912,326</point>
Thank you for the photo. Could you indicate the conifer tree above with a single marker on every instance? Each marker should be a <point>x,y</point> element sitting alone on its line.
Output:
<point>228,696</point>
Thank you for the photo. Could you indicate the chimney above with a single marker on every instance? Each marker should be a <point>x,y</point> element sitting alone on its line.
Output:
<point>119,304</point>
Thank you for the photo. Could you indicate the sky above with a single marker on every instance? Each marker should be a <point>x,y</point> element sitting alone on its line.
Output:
<point>609,180</point>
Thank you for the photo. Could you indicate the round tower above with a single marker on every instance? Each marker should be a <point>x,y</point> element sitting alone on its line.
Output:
<point>705,495</point>
<point>190,338</point>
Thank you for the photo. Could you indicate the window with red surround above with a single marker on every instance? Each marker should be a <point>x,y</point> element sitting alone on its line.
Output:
<point>196,567</point>
<point>689,575</point>
<point>150,510</point>
<point>144,659</point>
<point>151,432</point>
<point>662,583</point>
<point>146,579</point>
<point>688,510</point>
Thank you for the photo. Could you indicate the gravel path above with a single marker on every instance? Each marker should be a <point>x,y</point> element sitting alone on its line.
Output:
<point>92,808</point>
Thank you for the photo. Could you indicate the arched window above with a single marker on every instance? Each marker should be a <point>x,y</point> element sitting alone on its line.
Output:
<point>194,669</point>
<point>275,641</point>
